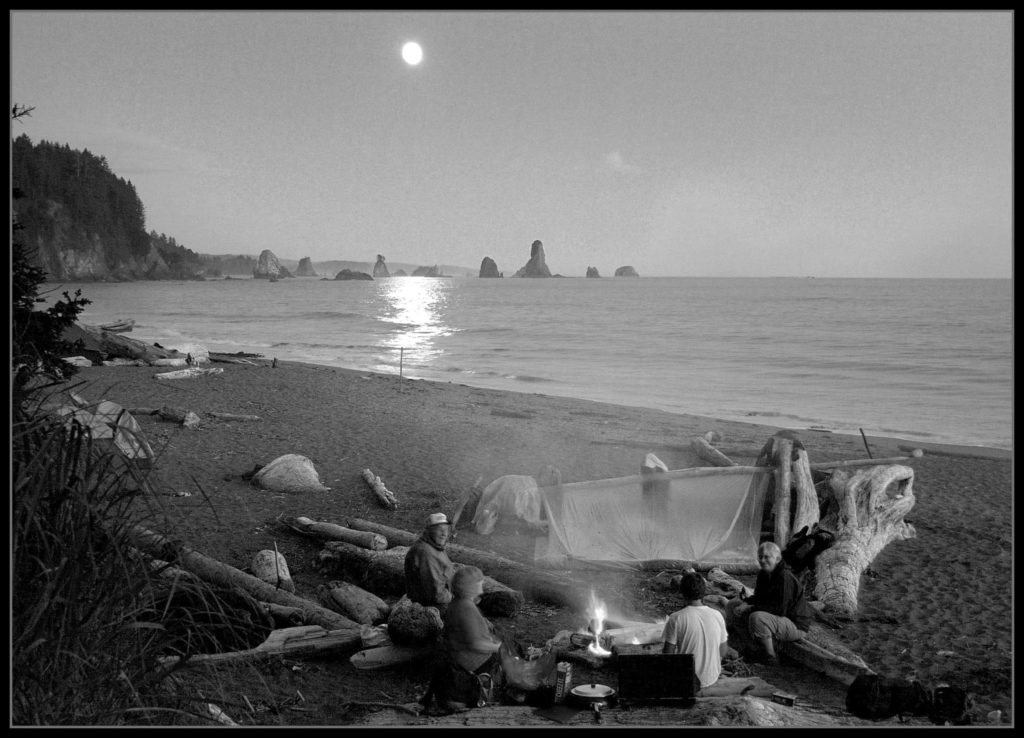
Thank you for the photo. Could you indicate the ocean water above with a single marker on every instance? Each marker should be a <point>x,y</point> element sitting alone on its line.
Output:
<point>930,360</point>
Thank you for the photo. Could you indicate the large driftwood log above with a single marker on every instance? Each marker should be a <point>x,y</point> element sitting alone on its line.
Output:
<point>805,504</point>
<point>129,348</point>
<point>708,712</point>
<point>384,572</point>
<point>534,583</point>
<point>866,511</point>
<point>783,450</point>
<point>335,532</point>
<point>302,640</point>
<point>217,572</point>
<point>709,453</point>
<point>354,602</point>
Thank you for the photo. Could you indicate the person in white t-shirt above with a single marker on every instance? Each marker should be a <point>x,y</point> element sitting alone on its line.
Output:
<point>697,629</point>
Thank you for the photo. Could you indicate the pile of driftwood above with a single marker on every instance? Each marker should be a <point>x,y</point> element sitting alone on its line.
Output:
<point>862,502</point>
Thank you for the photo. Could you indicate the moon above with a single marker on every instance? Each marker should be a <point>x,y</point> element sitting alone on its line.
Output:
<point>412,53</point>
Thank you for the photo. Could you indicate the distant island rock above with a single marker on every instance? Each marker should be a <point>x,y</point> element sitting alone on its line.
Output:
<point>380,269</point>
<point>400,273</point>
<point>268,267</point>
<point>626,271</point>
<point>426,271</point>
<point>305,268</point>
<point>347,274</point>
<point>592,272</point>
<point>536,266</point>
<point>489,269</point>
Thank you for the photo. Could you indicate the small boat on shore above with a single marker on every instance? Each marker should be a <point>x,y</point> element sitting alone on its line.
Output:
<point>119,326</point>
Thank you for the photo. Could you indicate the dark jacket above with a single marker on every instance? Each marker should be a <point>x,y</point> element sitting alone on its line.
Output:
<point>428,574</point>
<point>781,593</point>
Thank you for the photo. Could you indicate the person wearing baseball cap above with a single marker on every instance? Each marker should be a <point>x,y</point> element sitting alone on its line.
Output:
<point>428,570</point>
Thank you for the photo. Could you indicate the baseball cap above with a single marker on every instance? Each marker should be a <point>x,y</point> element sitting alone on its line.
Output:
<point>437,519</point>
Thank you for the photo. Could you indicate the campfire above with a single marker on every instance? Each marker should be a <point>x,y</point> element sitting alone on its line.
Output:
<point>600,639</point>
<point>597,612</point>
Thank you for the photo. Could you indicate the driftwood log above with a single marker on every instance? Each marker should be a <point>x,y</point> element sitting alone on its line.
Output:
<point>114,344</point>
<point>708,712</point>
<point>303,640</point>
<point>217,572</point>
<point>865,510</point>
<point>385,496</point>
<point>271,567</point>
<point>384,572</point>
<point>335,532</point>
<point>534,583</point>
<point>354,602</point>
<point>709,453</point>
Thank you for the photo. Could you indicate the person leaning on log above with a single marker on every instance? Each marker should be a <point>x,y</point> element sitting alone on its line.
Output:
<point>777,611</point>
<point>428,570</point>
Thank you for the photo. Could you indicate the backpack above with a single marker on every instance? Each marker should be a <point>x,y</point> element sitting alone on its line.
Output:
<point>950,706</point>
<point>455,688</point>
<point>804,548</point>
<point>877,697</point>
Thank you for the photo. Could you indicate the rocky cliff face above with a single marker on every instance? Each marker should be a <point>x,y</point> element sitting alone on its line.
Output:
<point>488,268</point>
<point>626,271</point>
<point>380,269</point>
<point>71,253</point>
<point>268,267</point>
<point>536,266</point>
<point>305,268</point>
<point>592,272</point>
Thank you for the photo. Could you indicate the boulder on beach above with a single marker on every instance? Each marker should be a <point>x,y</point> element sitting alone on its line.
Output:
<point>289,473</point>
<point>488,268</point>
<point>536,266</point>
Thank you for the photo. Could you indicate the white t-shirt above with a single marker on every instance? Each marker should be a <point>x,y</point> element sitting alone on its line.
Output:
<point>698,630</point>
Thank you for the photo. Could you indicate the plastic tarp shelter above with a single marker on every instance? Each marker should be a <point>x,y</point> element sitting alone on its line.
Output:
<point>703,517</point>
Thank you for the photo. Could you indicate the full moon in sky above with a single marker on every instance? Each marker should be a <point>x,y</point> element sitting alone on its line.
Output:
<point>412,53</point>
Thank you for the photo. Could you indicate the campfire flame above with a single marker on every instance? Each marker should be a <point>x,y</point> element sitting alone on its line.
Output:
<point>597,612</point>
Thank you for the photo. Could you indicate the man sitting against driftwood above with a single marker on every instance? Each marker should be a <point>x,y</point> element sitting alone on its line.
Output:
<point>428,570</point>
<point>777,611</point>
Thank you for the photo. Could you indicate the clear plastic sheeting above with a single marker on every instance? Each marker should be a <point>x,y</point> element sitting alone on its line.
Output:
<point>704,516</point>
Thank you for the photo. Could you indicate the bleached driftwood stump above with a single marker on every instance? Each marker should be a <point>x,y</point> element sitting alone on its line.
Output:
<point>865,510</point>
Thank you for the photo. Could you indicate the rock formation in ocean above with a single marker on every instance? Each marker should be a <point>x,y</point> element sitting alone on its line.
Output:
<point>305,268</point>
<point>536,266</point>
<point>346,274</point>
<point>592,272</point>
<point>426,271</point>
<point>380,269</point>
<point>626,271</point>
<point>488,268</point>
<point>400,273</point>
<point>268,267</point>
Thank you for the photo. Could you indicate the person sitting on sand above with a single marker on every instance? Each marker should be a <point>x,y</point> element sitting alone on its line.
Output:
<point>469,637</point>
<point>428,570</point>
<point>697,629</point>
<point>777,611</point>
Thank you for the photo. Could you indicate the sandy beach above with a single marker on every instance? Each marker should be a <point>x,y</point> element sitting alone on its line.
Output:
<point>938,606</point>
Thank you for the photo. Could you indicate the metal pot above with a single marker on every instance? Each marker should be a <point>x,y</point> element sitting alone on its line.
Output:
<point>595,696</point>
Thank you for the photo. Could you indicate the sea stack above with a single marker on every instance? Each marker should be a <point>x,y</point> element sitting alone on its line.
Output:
<point>536,266</point>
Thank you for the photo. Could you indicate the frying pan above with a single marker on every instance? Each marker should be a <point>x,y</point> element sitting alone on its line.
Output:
<point>595,696</point>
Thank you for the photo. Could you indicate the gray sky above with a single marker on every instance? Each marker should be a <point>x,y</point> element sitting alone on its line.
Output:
<point>832,144</point>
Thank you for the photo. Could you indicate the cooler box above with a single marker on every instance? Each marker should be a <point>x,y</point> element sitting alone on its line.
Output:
<point>648,678</point>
